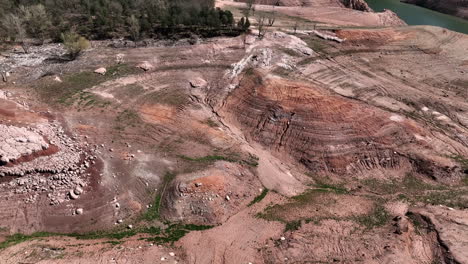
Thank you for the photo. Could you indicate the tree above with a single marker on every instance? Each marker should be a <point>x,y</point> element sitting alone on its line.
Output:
<point>36,20</point>
<point>14,27</point>
<point>74,44</point>
<point>296,25</point>
<point>243,24</point>
<point>134,27</point>
<point>261,26</point>
<point>250,7</point>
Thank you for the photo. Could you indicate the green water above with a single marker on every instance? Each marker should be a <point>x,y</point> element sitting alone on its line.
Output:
<point>415,15</point>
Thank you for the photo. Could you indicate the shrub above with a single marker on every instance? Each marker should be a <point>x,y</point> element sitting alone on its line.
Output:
<point>75,44</point>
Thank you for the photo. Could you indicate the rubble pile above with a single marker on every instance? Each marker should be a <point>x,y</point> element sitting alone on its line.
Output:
<point>60,174</point>
<point>16,142</point>
<point>27,141</point>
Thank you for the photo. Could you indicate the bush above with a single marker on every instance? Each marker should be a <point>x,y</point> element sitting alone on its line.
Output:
<point>74,44</point>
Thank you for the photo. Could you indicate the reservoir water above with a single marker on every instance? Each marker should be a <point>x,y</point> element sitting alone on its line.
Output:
<point>415,15</point>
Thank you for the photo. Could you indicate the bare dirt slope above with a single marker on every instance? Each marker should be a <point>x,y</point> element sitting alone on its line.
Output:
<point>286,149</point>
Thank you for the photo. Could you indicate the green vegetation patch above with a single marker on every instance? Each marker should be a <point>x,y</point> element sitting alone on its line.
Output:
<point>153,213</point>
<point>413,190</point>
<point>259,197</point>
<point>250,160</point>
<point>174,232</point>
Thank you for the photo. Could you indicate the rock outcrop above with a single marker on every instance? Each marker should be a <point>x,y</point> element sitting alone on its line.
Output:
<point>360,5</point>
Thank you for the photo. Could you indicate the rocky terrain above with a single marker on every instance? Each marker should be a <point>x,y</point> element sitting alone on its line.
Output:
<point>343,140</point>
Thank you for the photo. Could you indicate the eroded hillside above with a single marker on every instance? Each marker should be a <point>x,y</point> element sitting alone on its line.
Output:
<point>284,149</point>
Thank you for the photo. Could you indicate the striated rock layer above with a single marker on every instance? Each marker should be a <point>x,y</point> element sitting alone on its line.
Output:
<point>326,132</point>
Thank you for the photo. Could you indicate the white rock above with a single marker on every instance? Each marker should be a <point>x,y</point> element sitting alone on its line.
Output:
<point>79,211</point>
<point>78,190</point>
<point>130,226</point>
<point>228,198</point>
<point>73,196</point>
<point>283,238</point>
<point>146,66</point>
<point>101,71</point>
<point>172,254</point>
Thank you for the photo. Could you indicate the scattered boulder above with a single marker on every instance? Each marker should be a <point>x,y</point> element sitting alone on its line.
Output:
<point>120,58</point>
<point>73,195</point>
<point>101,71</point>
<point>57,79</point>
<point>146,66</point>
<point>198,82</point>
<point>79,211</point>
<point>78,190</point>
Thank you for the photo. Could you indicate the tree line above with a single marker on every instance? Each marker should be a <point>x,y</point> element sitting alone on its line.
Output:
<point>105,19</point>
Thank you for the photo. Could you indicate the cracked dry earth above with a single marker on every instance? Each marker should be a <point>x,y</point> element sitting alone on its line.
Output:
<point>294,149</point>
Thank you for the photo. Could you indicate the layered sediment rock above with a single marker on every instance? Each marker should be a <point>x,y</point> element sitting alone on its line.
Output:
<point>325,132</point>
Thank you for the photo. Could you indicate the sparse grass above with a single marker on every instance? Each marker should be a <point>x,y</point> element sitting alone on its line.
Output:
<point>377,218</point>
<point>283,72</point>
<point>67,91</point>
<point>170,96</point>
<point>127,118</point>
<point>251,160</point>
<point>210,158</point>
<point>413,190</point>
<point>464,166</point>
<point>259,197</point>
<point>417,223</point>
<point>336,188</point>
<point>211,123</point>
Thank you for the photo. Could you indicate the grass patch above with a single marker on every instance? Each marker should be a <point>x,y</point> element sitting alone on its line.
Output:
<point>174,232</point>
<point>251,160</point>
<point>377,218</point>
<point>67,91</point>
<point>19,238</point>
<point>207,158</point>
<point>293,225</point>
<point>153,213</point>
<point>170,96</point>
<point>211,123</point>
<point>413,190</point>
<point>259,197</point>
<point>336,188</point>
<point>171,234</point>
